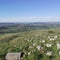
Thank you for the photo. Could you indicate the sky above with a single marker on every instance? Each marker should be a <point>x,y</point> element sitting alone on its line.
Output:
<point>29,10</point>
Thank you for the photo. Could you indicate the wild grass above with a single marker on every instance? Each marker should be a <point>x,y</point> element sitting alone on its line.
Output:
<point>28,42</point>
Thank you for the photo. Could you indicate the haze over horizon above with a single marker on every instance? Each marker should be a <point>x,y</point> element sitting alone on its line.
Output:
<point>29,10</point>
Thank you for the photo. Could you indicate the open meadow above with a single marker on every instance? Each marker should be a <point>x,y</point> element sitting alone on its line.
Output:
<point>37,43</point>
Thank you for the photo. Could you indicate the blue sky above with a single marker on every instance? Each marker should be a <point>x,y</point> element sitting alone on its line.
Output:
<point>29,10</point>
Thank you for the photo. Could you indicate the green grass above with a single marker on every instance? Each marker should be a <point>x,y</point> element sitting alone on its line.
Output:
<point>17,42</point>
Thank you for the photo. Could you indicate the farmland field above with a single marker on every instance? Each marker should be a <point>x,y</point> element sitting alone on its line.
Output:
<point>38,41</point>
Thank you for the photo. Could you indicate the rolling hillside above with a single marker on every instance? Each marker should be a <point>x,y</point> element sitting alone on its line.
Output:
<point>39,41</point>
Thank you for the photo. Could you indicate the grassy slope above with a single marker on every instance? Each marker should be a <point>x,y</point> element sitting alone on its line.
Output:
<point>16,42</point>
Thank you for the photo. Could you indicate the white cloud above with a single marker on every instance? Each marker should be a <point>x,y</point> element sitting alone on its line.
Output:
<point>31,19</point>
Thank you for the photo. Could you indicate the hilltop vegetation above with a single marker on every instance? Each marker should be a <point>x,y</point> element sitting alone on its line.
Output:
<point>37,40</point>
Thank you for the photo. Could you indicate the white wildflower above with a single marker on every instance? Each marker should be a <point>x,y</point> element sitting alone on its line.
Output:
<point>34,44</point>
<point>48,37</point>
<point>39,47</point>
<point>51,39</point>
<point>49,53</point>
<point>59,52</point>
<point>30,46</point>
<point>43,41</point>
<point>55,37</point>
<point>29,53</point>
<point>48,45</point>
<point>58,46</point>
<point>28,40</point>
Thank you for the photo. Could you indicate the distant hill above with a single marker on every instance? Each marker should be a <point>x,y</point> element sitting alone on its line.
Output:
<point>18,27</point>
